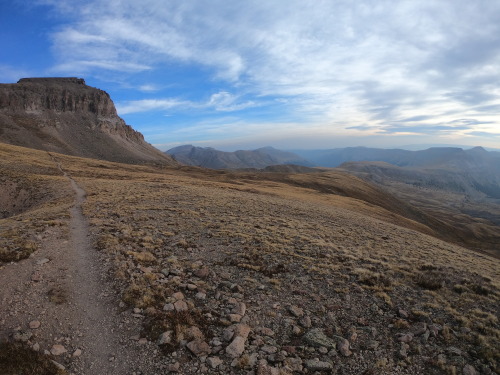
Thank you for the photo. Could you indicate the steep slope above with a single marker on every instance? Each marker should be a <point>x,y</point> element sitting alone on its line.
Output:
<point>465,202</point>
<point>211,158</point>
<point>67,116</point>
<point>229,273</point>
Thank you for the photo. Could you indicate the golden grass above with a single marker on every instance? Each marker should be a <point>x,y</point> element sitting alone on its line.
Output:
<point>147,219</point>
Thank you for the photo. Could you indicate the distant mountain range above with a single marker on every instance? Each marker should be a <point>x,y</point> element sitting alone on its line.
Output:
<point>432,157</point>
<point>211,158</point>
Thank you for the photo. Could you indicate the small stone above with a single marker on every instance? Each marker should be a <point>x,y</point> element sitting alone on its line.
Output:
<point>174,367</point>
<point>36,347</point>
<point>202,273</point>
<point>165,338</point>
<point>77,353</point>
<point>317,365</point>
<point>214,362</point>
<point>305,322</point>
<point>403,352</point>
<point>237,347</point>
<point>266,331</point>
<point>178,296</point>
<point>296,330</point>
<point>296,311</point>
<point>454,351</point>
<point>36,276</point>
<point>316,338</point>
<point>269,349</point>
<point>469,370</point>
<point>201,295</point>
<point>403,314</point>
<point>407,337</point>
<point>34,324</point>
<point>240,308</point>
<point>242,330</point>
<point>180,306</point>
<point>234,318</point>
<point>265,369</point>
<point>192,287</point>
<point>294,364</point>
<point>169,307</point>
<point>137,310</point>
<point>343,346</point>
<point>58,349</point>
<point>58,365</point>
<point>419,328</point>
<point>143,341</point>
<point>42,261</point>
<point>198,347</point>
<point>194,333</point>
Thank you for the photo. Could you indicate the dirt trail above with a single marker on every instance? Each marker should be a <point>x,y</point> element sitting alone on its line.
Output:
<point>97,320</point>
<point>65,287</point>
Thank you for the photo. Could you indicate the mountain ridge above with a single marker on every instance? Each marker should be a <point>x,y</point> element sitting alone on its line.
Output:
<point>209,157</point>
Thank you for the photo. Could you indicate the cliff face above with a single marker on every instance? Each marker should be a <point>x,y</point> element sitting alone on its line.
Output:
<point>65,115</point>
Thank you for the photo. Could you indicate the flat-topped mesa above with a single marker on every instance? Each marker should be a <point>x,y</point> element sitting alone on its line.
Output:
<point>79,81</point>
<point>64,94</point>
<point>63,114</point>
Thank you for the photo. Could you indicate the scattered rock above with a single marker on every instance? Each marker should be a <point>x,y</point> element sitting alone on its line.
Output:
<point>305,322</point>
<point>58,365</point>
<point>180,306</point>
<point>77,353</point>
<point>58,349</point>
<point>296,311</point>
<point>405,337</point>
<point>469,370</point>
<point>343,346</point>
<point>35,324</point>
<point>316,337</point>
<point>214,362</point>
<point>165,338</point>
<point>237,347</point>
<point>317,365</point>
<point>202,273</point>
<point>198,347</point>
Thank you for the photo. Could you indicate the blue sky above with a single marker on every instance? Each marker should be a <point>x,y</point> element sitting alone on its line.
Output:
<point>291,74</point>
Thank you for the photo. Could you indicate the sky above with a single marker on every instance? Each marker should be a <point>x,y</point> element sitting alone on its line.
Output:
<point>293,74</point>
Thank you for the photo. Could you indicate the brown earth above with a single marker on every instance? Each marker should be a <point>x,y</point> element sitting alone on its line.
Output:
<point>236,273</point>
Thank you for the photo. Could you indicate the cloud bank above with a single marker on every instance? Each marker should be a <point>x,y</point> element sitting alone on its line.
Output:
<point>360,68</point>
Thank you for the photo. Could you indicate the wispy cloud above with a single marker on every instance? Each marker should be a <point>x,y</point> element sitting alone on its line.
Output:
<point>359,65</point>
<point>222,101</point>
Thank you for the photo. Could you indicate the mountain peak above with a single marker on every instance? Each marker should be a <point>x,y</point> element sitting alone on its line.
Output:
<point>63,114</point>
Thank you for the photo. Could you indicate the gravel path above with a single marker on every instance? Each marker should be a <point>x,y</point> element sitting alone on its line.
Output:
<point>61,301</point>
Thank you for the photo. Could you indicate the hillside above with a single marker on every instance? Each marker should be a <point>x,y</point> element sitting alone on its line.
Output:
<point>220,272</point>
<point>67,116</point>
<point>208,157</point>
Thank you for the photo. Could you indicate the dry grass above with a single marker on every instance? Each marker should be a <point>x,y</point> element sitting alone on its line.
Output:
<point>16,359</point>
<point>273,233</point>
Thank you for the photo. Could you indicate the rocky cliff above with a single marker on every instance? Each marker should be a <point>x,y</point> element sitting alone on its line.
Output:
<point>67,116</point>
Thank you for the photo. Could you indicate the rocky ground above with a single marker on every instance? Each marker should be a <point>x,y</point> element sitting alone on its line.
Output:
<point>228,276</point>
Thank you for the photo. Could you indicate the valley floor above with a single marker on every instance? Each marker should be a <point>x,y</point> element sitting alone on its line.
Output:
<point>191,271</point>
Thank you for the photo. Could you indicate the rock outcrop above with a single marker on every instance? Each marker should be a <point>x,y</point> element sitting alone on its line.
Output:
<point>67,116</point>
